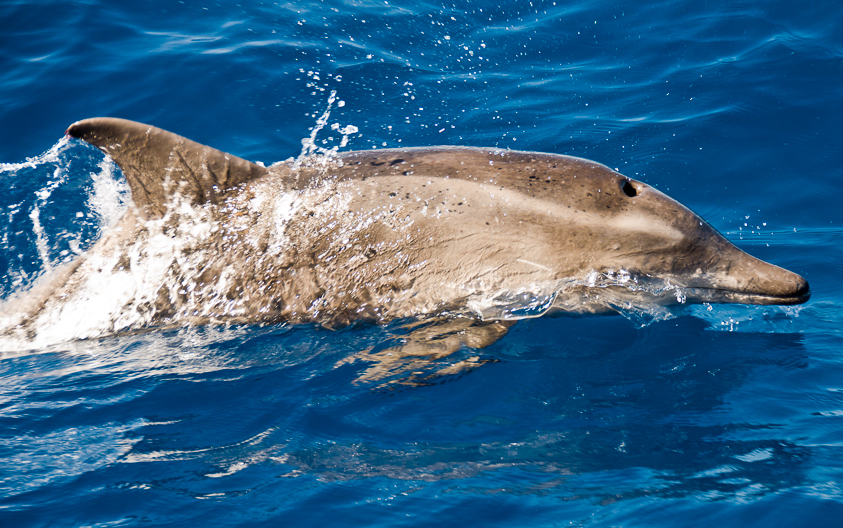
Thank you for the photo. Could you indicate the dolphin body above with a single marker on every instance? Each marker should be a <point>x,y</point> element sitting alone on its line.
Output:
<point>384,235</point>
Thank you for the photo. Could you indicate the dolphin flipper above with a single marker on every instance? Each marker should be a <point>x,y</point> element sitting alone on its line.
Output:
<point>415,359</point>
<point>157,163</point>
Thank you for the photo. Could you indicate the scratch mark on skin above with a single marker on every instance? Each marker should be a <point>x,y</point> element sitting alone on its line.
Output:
<point>533,264</point>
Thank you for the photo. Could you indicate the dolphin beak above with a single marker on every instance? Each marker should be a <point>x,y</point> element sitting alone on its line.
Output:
<point>745,279</point>
<point>770,284</point>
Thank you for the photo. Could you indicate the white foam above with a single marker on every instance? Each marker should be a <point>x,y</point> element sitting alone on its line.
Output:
<point>110,196</point>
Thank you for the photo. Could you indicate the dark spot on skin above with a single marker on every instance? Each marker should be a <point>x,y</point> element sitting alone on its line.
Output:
<point>459,203</point>
<point>376,164</point>
<point>628,189</point>
<point>588,194</point>
<point>371,252</point>
<point>396,161</point>
<point>393,194</point>
<point>405,173</point>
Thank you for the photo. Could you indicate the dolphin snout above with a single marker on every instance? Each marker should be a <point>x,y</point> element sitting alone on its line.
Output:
<point>799,288</point>
<point>738,277</point>
<point>766,283</point>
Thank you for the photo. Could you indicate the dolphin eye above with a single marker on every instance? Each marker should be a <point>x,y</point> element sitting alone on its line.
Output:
<point>628,189</point>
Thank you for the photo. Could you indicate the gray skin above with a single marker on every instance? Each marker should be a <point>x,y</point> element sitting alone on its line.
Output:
<point>403,233</point>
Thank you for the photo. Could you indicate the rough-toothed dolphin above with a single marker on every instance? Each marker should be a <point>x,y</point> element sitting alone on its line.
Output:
<point>389,234</point>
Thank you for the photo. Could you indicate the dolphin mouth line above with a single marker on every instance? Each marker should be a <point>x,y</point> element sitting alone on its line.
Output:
<point>717,295</point>
<point>668,289</point>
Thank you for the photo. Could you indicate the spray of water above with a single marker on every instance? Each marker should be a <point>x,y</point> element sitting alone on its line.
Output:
<point>312,155</point>
<point>109,198</point>
<point>54,155</point>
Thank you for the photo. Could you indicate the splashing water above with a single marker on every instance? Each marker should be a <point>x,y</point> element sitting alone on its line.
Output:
<point>309,146</point>
<point>52,156</point>
<point>45,226</point>
<point>109,198</point>
<point>313,155</point>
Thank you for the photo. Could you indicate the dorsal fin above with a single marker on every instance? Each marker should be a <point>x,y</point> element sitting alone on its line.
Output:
<point>149,156</point>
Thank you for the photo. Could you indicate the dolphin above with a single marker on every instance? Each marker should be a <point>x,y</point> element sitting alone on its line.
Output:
<point>488,234</point>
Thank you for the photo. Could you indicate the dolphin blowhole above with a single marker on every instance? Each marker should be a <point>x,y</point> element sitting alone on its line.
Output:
<point>628,189</point>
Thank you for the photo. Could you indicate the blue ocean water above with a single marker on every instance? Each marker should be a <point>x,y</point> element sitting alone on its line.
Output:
<point>732,415</point>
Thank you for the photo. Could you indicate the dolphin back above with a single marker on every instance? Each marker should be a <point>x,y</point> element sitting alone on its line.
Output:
<point>158,164</point>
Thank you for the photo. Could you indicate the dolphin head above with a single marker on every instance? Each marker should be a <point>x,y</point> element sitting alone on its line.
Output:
<point>650,235</point>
